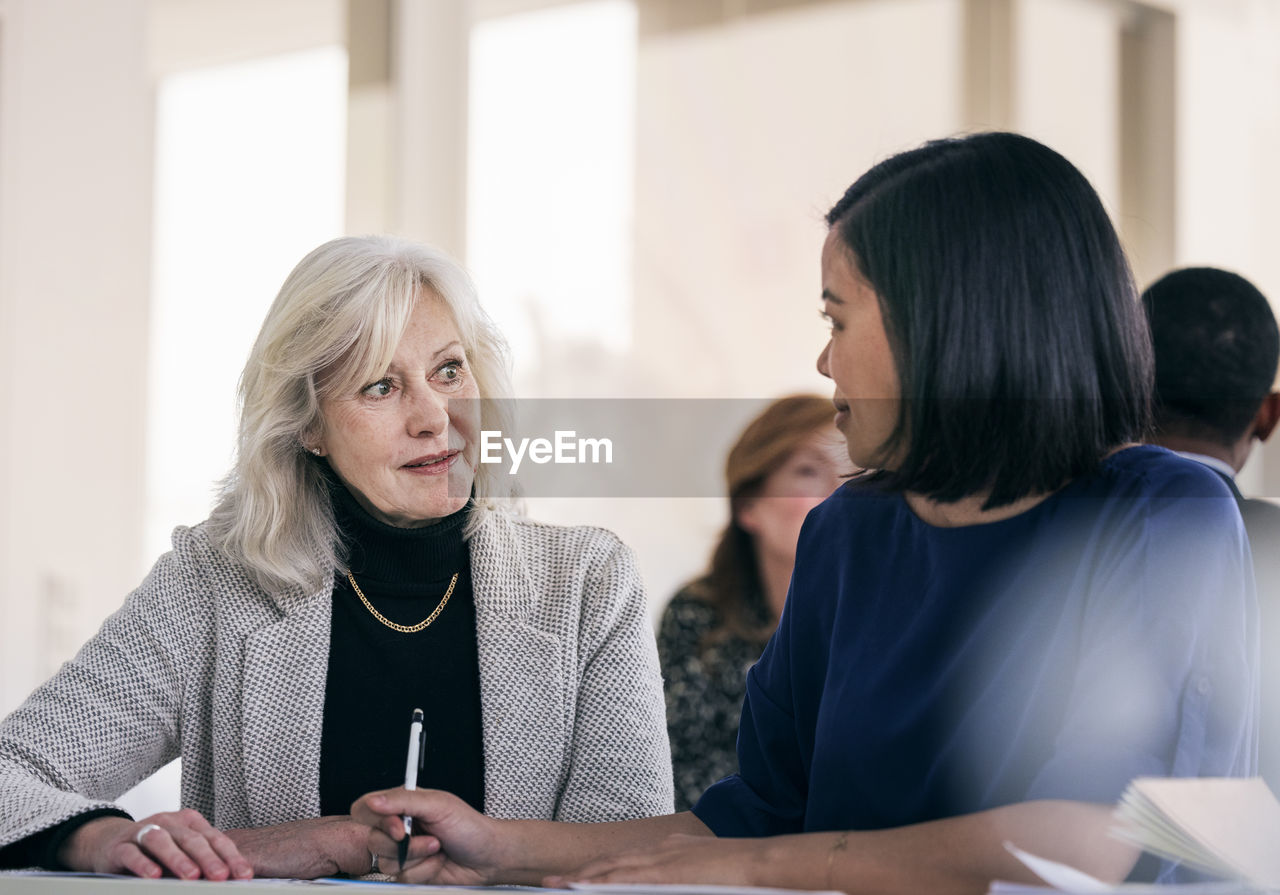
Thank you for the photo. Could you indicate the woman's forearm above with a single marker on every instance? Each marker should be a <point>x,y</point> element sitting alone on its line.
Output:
<point>532,850</point>
<point>959,855</point>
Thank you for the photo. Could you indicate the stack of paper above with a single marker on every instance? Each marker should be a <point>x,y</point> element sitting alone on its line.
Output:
<point>1226,827</point>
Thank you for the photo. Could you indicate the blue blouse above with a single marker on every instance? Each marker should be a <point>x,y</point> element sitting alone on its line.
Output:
<point>922,672</point>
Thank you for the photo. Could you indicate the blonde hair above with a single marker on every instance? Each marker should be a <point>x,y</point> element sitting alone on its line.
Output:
<point>335,325</point>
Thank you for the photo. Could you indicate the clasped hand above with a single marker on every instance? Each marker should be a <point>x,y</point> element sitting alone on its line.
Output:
<point>453,844</point>
<point>471,858</point>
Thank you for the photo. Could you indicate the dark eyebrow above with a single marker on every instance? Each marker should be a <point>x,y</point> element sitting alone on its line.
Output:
<point>828,295</point>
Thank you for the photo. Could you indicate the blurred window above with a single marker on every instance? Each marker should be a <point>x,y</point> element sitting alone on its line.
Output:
<point>550,175</point>
<point>249,177</point>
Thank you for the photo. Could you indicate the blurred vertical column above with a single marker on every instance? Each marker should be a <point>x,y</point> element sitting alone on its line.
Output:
<point>407,141</point>
<point>75,217</point>
<point>988,85</point>
<point>370,114</point>
<point>1148,141</point>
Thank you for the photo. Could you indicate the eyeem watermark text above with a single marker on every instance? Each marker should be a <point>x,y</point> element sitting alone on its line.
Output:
<point>563,447</point>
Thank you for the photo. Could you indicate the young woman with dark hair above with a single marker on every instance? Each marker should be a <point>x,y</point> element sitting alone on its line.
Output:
<point>786,461</point>
<point>988,640</point>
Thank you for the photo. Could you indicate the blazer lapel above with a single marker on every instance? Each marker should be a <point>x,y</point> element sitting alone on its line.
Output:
<point>285,666</point>
<point>523,680</point>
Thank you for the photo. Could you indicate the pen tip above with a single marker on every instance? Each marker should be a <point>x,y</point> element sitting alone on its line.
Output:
<point>417,714</point>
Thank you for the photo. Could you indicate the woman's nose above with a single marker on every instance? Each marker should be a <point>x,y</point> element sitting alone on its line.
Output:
<point>428,413</point>
<point>823,368</point>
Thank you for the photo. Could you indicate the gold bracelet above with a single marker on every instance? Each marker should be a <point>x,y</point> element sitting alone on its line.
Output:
<point>840,844</point>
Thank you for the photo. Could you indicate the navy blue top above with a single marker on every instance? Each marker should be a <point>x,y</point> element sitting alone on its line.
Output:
<point>922,672</point>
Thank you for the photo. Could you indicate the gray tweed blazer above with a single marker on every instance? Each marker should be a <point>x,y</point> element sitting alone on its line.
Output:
<point>201,663</point>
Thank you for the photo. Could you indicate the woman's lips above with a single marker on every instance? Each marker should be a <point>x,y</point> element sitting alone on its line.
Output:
<point>432,466</point>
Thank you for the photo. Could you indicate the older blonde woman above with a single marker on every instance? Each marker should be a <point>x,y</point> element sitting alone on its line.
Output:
<point>357,566</point>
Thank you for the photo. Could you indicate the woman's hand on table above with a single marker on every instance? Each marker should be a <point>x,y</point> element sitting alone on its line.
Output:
<point>678,858</point>
<point>306,849</point>
<point>452,844</point>
<point>181,843</point>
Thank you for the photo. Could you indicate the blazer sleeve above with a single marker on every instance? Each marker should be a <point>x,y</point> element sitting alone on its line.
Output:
<point>106,720</point>
<point>621,761</point>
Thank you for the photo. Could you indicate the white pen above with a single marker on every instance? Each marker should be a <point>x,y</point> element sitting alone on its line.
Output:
<point>417,739</point>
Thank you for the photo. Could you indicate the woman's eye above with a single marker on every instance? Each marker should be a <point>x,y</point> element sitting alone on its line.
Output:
<point>830,321</point>
<point>379,389</point>
<point>450,373</point>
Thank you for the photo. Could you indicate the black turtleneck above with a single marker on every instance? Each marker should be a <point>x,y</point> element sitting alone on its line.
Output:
<point>378,676</point>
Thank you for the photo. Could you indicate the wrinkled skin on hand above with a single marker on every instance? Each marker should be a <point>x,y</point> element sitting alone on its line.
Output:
<point>306,849</point>
<point>181,843</point>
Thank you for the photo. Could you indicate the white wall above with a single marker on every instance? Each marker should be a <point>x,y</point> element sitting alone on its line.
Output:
<point>746,133</point>
<point>75,216</point>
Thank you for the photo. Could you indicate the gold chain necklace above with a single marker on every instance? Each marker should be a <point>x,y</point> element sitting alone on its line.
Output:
<point>404,629</point>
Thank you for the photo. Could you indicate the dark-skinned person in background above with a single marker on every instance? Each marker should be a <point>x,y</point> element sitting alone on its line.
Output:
<point>1217,348</point>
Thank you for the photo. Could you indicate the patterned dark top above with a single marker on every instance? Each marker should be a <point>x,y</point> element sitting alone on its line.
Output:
<point>704,690</point>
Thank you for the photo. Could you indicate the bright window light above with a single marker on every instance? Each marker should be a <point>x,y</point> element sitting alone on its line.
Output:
<point>249,177</point>
<point>550,175</point>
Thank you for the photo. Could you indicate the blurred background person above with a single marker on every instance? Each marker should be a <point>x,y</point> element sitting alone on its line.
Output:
<point>787,461</point>
<point>1217,348</point>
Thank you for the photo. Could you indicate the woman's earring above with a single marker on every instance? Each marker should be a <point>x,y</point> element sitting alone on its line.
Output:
<point>314,450</point>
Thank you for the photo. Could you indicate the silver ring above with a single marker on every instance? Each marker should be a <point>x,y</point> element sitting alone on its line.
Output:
<point>137,837</point>
<point>374,867</point>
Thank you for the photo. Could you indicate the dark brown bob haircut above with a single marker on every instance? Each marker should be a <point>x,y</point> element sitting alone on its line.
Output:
<point>1021,349</point>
